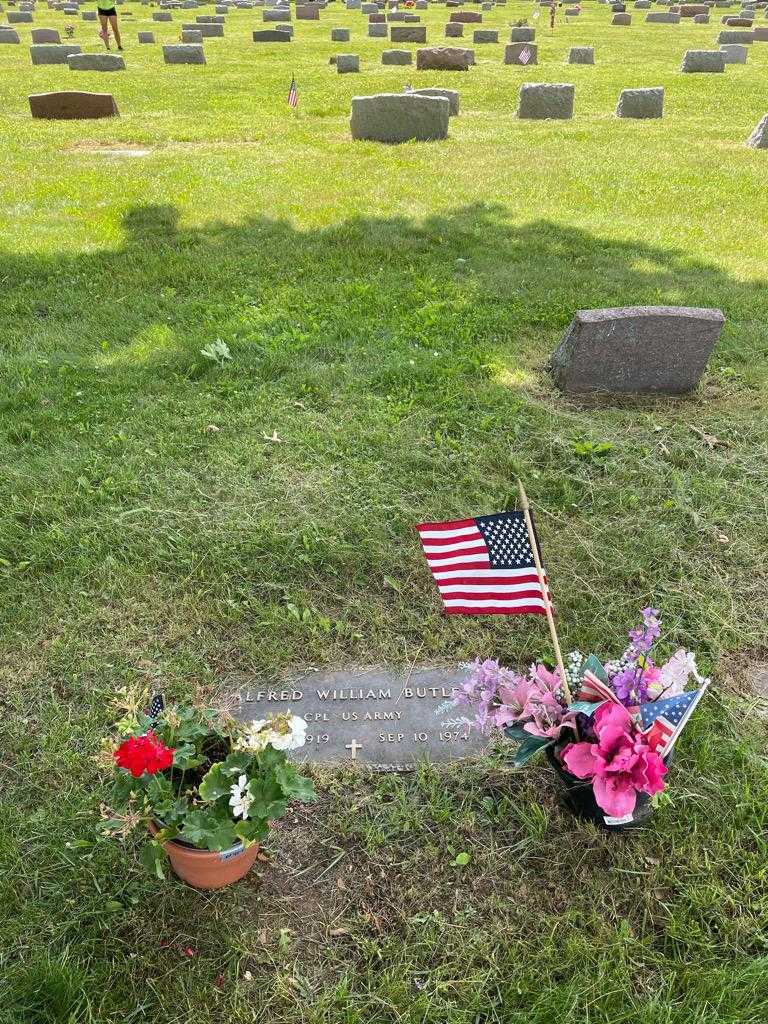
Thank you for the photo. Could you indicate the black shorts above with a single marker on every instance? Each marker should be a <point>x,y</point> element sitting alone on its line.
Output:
<point>111,13</point>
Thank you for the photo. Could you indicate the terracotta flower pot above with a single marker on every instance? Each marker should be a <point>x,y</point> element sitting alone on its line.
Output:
<point>204,869</point>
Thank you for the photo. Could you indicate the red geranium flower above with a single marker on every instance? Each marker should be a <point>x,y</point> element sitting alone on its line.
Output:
<point>147,753</point>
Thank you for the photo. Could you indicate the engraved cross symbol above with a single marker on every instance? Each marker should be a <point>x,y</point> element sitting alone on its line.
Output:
<point>354,746</point>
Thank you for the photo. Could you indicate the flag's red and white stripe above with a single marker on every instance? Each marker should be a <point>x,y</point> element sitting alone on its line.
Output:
<point>458,558</point>
<point>593,690</point>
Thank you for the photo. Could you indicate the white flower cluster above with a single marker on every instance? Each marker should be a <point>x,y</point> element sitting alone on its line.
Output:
<point>241,799</point>
<point>285,731</point>
<point>574,667</point>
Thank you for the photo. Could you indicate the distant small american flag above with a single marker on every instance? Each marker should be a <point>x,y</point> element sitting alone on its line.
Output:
<point>293,94</point>
<point>156,705</point>
<point>484,566</point>
<point>664,720</point>
<point>525,55</point>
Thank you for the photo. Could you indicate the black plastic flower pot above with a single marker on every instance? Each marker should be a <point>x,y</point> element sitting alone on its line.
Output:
<point>579,797</point>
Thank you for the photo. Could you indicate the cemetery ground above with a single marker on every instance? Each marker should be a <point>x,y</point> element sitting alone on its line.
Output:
<point>389,313</point>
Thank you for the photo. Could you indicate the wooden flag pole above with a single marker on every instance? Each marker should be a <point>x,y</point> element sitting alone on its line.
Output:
<point>544,591</point>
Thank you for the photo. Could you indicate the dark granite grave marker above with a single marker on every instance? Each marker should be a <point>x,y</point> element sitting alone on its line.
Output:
<point>377,717</point>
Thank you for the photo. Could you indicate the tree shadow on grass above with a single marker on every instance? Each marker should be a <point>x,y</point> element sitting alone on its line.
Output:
<point>466,279</point>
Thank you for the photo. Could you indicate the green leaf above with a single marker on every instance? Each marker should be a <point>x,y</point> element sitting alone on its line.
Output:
<point>208,830</point>
<point>151,857</point>
<point>112,906</point>
<point>215,783</point>
<point>185,756</point>
<point>293,784</point>
<point>586,707</point>
<point>532,745</point>
<point>251,829</point>
<point>592,664</point>
<point>516,732</point>
<point>462,859</point>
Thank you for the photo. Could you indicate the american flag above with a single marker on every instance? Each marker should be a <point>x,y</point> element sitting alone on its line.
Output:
<point>525,55</point>
<point>593,689</point>
<point>662,721</point>
<point>484,566</point>
<point>293,94</point>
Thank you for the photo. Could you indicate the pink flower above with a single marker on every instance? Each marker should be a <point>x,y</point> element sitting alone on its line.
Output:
<point>546,715</point>
<point>620,763</point>
<point>514,701</point>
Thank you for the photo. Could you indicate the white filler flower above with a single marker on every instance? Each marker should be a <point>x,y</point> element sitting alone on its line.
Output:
<point>241,799</point>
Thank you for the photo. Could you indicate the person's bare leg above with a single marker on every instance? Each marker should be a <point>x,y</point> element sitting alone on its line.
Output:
<point>116,30</point>
<point>104,29</point>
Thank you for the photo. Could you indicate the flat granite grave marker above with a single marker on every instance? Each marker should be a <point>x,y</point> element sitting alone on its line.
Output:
<point>637,349</point>
<point>381,718</point>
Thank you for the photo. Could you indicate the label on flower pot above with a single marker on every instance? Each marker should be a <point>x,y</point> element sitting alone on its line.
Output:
<point>383,718</point>
<point>618,821</point>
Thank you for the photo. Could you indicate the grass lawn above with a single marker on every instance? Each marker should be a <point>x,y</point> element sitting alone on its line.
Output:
<point>389,312</point>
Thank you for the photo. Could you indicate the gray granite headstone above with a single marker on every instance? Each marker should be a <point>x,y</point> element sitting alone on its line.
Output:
<point>542,101</point>
<point>377,717</point>
<point>450,94</point>
<point>759,137</point>
<point>272,35</point>
<point>733,53</point>
<point>347,63</point>
<point>703,61</point>
<point>207,30</point>
<point>400,57</point>
<point>637,349</point>
<point>524,54</point>
<point>735,36</point>
<point>408,33</point>
<point>184,53</point>
<point>641,104</point>
<point>399,117</point>
<point>96,62</point>
<point>52,53</point>
<point>581,55</point>
<point>45,35</point>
